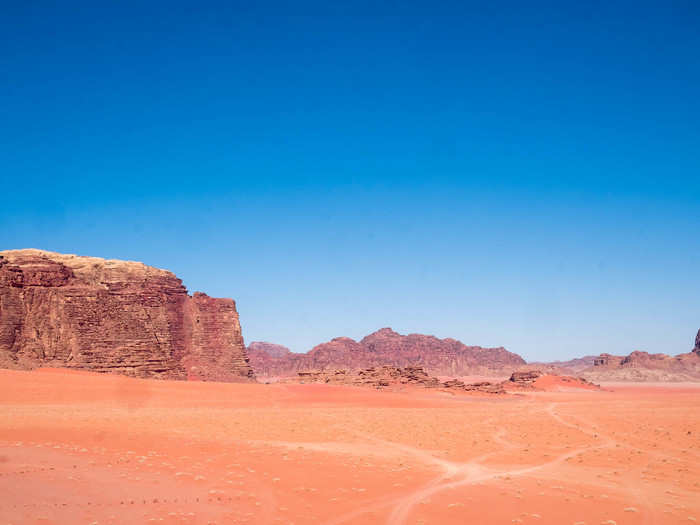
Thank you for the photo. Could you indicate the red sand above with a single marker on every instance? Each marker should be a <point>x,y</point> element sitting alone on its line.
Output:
<point>554,383</point>
<point>83,448</point>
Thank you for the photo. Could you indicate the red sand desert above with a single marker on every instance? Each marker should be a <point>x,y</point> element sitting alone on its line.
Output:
<point>77,447</point>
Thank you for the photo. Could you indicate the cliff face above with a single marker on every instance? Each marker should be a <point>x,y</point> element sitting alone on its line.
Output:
<point>114,316</point>
<point>386,347</point>
<point>697,343</point>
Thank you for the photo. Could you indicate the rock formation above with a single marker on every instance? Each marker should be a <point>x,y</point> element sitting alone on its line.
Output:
<point>114,316</point>
<point>637,366</point>
<point>391,376</point>
<point>525,377</point>
<point>268,349</point>
<point>545,380</point>
<point>643,366</point>
<point>444,357</point>
<point>382,377</point>
<point>439,356</point>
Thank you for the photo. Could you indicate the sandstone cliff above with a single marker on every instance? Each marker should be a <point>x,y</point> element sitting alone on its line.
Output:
<point>114,316</point>
<point>445,357</point>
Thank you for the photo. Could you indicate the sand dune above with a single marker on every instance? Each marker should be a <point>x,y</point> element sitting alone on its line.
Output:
<point>84,448</point>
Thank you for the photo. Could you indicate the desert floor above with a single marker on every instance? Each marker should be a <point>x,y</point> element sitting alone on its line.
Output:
<point>82,448</point>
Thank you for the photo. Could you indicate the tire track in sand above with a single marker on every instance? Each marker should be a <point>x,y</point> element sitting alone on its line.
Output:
<point>457,474</point>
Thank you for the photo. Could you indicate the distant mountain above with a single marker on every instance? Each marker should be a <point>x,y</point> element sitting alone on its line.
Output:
<point>269,357</point>
<point>637,366</point>
<point>643,366</point>
<point>385,347</point>
<point>572,365</point>
<point>268,349</point>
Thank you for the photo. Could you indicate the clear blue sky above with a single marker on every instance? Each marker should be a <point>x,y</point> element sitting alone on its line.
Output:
<point>525,176</point>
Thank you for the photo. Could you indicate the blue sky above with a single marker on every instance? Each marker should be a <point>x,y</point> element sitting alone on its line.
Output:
<point>525,176</point>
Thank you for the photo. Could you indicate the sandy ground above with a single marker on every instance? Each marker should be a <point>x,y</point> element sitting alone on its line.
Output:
<point>81,448</point>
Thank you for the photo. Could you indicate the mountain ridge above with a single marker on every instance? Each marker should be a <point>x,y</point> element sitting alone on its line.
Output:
<point>386,347</point>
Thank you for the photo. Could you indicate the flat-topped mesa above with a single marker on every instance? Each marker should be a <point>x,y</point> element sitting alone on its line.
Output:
<point>114,316</point>
<point>538,379</point>
<point>697,344</point>
<point>528,376</point>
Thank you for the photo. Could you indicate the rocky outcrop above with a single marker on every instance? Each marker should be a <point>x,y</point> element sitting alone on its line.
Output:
<point>444,357</point>
<point>114,316</point>
<point>607,360</point>
<point>486,387</point>
<point>378,377</point>
<point>527,377</point>
<point>546,380</point>
<point>643,366</point>
<point>391,376</point>
<point>637,366</point>
<point>439,356</point>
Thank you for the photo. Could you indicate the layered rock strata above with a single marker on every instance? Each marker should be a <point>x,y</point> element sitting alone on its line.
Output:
<point>114,316</point>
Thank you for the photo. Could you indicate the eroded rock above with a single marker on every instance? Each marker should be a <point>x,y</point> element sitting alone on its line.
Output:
<point>528,376</point>
<point>391,376</point>
<point>445,357</point>
<point>114,316</point>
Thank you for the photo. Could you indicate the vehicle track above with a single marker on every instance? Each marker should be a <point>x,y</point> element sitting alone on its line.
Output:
<point>457,474</point>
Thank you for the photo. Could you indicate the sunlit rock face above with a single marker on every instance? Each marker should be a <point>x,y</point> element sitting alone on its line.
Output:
<point>114,316</point>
